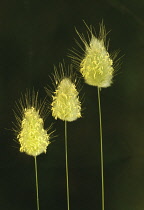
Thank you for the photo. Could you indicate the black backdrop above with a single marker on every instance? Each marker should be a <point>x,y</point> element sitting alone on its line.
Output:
<point>34,36</point>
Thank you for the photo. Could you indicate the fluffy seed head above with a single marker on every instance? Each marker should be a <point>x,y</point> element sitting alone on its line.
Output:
<point>96,65</point>
<point>65,99</point>
<point>66,104</point>
<point>31,135</point>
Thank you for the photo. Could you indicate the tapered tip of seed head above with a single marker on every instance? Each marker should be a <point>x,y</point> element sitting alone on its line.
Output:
<point>32,137</point>
<point>66,105</point>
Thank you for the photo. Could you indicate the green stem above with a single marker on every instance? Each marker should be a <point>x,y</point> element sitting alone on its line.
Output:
<point>101,148</point>
<point>66,158</point>
<point>36,176</point>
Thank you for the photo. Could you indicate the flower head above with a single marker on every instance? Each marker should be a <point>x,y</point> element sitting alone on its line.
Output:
<point>32,136</point>
<point>96,65</point>
<point>66,104</point>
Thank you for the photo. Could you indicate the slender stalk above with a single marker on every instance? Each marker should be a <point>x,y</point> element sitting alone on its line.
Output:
<point>66,158</point>
<point>36,176</point>
<point>101,148</point>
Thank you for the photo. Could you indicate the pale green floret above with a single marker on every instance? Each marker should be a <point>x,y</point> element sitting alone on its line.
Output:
<point>32,137</point>
<point>66,105</point>
<point>96,67</point>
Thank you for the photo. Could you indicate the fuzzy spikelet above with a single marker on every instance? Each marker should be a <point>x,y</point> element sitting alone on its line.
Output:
<point>66,105</point>
<point>32,137</point>
<point>96,65</point>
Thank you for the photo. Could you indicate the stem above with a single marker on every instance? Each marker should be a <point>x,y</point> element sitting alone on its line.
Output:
<point>36,176</point>
<point>67,181</point>
<point>101,147</point>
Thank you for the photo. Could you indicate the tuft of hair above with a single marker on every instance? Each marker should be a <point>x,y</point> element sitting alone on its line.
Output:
<point>65,104</point>
<point>94,62</point>
<point>29,128</point>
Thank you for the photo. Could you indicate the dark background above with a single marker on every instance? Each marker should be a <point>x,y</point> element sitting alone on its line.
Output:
<point>34,36</point>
